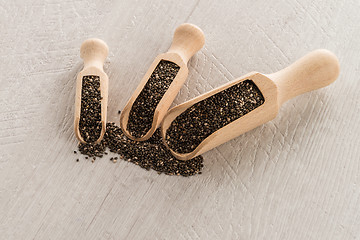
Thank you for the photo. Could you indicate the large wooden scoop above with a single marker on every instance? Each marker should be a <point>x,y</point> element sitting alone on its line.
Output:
<point>315,70</point>
<point>94,52</point>
<point>187,40</point>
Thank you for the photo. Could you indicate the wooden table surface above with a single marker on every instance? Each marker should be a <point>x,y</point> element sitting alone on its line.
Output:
<point>296,177</point>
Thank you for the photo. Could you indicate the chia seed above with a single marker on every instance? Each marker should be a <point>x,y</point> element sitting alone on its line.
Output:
<point>202,119</point>
<point>142,112</point>
<point>150,154</point>
<point>91,150</point>
<point>90,116</point>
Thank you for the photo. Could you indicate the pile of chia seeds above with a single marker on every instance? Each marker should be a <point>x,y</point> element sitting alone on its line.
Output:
<point>150,154</point>
<point>90,116</point>
<point>202,119</point>
<point>142,112</point>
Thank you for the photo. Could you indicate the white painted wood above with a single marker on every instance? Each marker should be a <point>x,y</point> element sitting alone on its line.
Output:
<point>296,177</point>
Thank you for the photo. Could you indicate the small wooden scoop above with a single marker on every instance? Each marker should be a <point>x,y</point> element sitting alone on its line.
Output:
<point>187,40</point>
<point>94,52</point>
<point>315,70</point>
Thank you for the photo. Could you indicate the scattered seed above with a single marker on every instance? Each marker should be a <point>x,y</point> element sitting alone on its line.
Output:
<point>202,119</point>
<point>142,111</point>
<point>77,160</point>
<point>150,154</point>
<point>75,152</point>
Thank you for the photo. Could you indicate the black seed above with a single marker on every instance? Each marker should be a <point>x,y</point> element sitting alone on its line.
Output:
<point>74,151</point>
<point>150,154</point>
<point>142,111</point>
<point>90,116</point>
<point>77,160</point>
<point>119,112</point>
<point>202,119</point>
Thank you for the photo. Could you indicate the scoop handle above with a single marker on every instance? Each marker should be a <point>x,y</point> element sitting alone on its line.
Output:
<point>94,52</point>
<point>315,70</point>
<point>187,40</point>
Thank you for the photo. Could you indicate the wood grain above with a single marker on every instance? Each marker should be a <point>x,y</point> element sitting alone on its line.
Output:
<point>296,177</point>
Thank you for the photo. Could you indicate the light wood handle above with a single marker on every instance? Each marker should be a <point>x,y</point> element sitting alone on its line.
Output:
<point>187,40</point>
<point>94,52</point>
<point>315,70</point>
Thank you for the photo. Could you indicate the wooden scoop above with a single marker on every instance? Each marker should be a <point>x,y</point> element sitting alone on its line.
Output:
<point>187,40</point>
<point>315,70</point>
<point>94,52</point>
